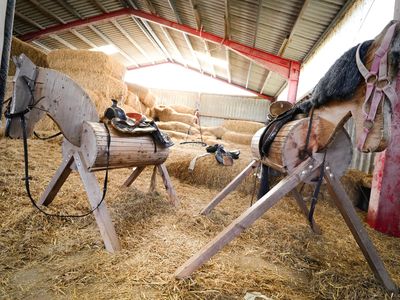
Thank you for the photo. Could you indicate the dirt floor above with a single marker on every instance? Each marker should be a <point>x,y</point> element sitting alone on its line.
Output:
<point>278,256</point>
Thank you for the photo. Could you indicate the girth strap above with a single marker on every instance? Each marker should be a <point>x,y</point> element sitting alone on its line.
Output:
<point>378,84</point>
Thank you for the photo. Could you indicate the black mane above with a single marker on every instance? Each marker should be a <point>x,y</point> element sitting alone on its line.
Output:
<point>341,80</point>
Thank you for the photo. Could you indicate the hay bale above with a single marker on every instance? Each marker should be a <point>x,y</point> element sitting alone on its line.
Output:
<point>240,126</point>
<point>133,101</point>
<point>178,127</point>
<point>90,62</point>
<point>166,114</point>
<point>18,47</point>
<point>144,94</point>
<point>183,109</point>
<point>108,86</point>
<point>239,138</point>
<point>216,131</point>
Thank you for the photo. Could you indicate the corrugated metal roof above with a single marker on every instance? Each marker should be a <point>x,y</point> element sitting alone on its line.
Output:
<point>286,28</point>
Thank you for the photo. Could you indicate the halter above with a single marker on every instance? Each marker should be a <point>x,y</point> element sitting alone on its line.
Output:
<point>378,84</point>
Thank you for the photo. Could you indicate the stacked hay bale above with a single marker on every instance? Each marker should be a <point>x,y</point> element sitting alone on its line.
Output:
<point>240,132</point>
<point>99,74</point>
<point>168,114</point>
<point>18,47</point>
<point>140,98</point>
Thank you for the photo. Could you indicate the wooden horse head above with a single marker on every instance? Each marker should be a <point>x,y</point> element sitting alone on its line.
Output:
<point>39,91</point>
<point>372,114</point>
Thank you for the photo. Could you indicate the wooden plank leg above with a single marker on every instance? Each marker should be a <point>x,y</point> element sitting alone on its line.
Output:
<point>135,173</point>
<point>303,207</point>
<point>349,214</point>
<point>57,181</point>
<point>153,181</point>
<point>230,187</point>
<point>247,218</point>
<point>168,185</point>
<point>101,214</point>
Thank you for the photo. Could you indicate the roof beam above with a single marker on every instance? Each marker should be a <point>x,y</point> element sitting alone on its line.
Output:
<point>28,20</point>
<point>45,48</point>
<point>187,40</point>
<point>227,21</point>
<point>269,61</point>
<point>228,67</point>
<point>104,37</point>
<point>132,41</point>
<point>197,16</point>
<point>46,11</point>
<point>270,98</point>
<point>99,6</point>
<point>171,41</point>
<point>83,38</point>
<point>62,41</point>
<point>68,7</point>
<point>254,40</point>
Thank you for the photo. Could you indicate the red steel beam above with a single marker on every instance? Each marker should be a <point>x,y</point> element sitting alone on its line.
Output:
<point>267,97</point>
<point>270,61</point>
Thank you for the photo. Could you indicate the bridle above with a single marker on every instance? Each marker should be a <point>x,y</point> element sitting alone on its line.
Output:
<point>378,84</point>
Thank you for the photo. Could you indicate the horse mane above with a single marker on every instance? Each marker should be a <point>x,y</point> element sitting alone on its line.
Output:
<point>341,80</point>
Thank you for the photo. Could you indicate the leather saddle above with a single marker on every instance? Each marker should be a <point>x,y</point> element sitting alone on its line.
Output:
<point>121,123</point>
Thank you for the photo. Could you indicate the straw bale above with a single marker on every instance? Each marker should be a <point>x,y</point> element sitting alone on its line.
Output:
<point>183,109</point>
<point>110,87</point>
<point>240,138</point>
<point>178,126</point>
<point>18,47</point>
<point>166,114</point>
<point>216,131</point>
<point>138,90</point>
<point>133,101</point>
<point>92,62</point>
<point>240,126</point>
<point>149,100</point>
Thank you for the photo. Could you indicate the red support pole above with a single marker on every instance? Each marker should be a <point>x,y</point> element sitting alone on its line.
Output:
<point>293,82</point>
<point>270,61</point>
<point>384,203</point>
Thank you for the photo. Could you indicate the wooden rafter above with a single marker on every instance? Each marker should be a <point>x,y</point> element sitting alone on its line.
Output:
<point>197,16</point>
<point>186,38</point>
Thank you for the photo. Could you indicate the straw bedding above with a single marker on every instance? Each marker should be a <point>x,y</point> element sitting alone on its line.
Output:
<point>178,126</point>
<point>92,62</point>
<point>18,47</point>
<point>277,256</point>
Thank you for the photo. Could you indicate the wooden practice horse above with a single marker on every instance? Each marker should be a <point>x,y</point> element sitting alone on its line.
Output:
<point>39,91</point>
<point>326,135</point>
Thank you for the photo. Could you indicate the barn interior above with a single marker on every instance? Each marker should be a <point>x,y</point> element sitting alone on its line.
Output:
<point>261,47</point>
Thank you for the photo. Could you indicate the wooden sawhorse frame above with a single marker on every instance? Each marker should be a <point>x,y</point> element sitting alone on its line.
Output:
<point>301,173</point>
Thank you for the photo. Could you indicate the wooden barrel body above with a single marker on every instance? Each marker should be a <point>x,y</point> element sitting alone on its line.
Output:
<point>287,149</point>
<point>125,150</point>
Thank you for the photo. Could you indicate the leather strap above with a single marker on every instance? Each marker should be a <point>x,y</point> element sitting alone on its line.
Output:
<point>378,84</point>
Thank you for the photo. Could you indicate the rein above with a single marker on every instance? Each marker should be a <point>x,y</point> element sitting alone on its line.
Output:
<point>21,116</point>
<point>378,84</point>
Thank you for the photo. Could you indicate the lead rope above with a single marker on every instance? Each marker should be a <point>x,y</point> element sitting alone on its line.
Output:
<point>27,186</point>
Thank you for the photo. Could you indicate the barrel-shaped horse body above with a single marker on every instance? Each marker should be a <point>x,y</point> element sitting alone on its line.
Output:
<point>125,150</point>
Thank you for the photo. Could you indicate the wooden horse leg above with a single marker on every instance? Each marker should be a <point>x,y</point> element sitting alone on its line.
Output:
<point>303,207</point>
<point>101,214</point>
<point>168,185</point>
<point>349,214</point>
<point>248,217</point>
<point>153,180</point>
<point>135,173</point>
<point>230,187</point>
<point>57,181</point>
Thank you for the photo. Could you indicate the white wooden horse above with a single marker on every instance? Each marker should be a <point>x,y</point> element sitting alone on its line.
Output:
<point>39,91</point>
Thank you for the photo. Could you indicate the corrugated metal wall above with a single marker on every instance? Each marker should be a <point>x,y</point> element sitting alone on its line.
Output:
<point>360,161</point>
<point>214,109</point>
